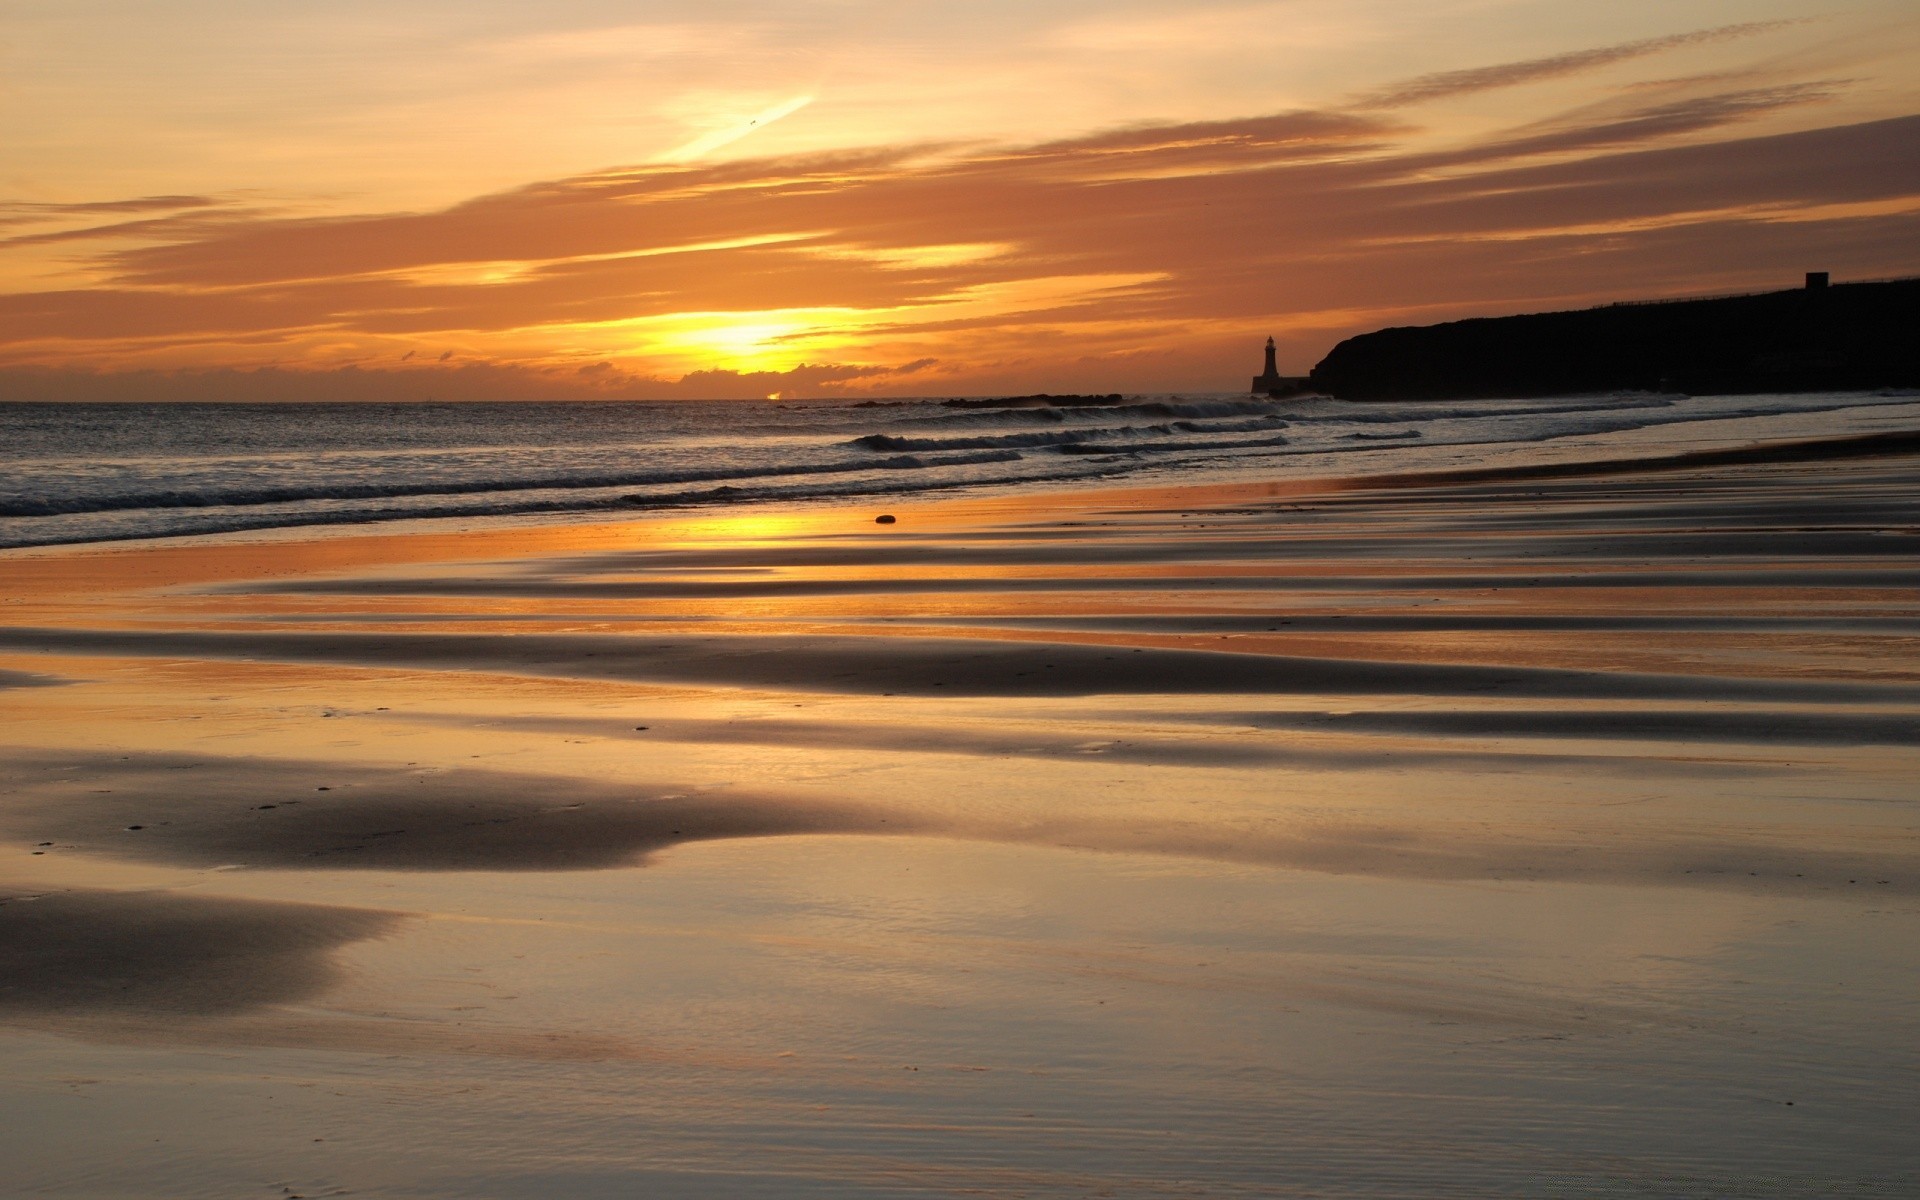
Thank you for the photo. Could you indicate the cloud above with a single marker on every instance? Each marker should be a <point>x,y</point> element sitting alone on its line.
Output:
<point>1141,257</point>
<point>137,204</point>
<point>1447,84</point>
<point>805,379</point>
<point>179,217</point>
<point>1613,124</point>
<point>1238,144</point>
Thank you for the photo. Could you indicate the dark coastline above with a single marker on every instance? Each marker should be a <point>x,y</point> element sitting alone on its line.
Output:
<point>1843,338</point>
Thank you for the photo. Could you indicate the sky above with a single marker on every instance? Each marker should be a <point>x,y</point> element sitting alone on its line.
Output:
<point>225,199</point>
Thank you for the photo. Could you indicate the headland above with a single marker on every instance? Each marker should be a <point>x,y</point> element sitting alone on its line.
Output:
<point>1846,337</point>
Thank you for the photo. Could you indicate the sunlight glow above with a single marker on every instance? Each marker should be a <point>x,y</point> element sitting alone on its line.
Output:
<point>611,201</point>
<point>953,254</point>
<point>707,143</point>
<point>773,340</point>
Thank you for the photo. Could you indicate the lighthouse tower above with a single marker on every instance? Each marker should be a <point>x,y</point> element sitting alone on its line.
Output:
<point>1270,380</point>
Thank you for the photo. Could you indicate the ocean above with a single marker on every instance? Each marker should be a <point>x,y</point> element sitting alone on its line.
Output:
<point>101,472</point>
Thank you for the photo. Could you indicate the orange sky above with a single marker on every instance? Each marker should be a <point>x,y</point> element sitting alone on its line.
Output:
<point>717,200</point>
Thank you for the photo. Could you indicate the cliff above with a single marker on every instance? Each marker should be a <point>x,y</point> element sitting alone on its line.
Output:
<point>1845,337</point>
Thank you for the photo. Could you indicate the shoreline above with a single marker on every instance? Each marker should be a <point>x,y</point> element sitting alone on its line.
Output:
<point>536,470</point>
<point>1073,493</point>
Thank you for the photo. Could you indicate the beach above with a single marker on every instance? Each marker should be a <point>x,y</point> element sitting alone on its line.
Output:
<point>1474,824</point>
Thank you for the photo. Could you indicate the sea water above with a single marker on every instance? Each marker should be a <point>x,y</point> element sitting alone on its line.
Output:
<point>94,472</point>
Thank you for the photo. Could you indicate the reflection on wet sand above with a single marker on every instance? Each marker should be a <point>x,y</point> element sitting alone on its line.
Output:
<point>928,667</point>
<point>83,952</point>
<point>21,679</point>
<point>1761,727</point>
<point>207,812</point>
<point>1289,840</point>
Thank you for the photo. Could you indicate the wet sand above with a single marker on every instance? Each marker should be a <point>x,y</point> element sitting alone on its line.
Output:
<point>1547,833</point>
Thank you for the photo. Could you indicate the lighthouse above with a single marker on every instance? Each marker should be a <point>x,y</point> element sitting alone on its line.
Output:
<point>1270,380</point>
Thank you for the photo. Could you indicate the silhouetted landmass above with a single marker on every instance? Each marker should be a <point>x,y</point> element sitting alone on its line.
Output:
<point>1846,337</point>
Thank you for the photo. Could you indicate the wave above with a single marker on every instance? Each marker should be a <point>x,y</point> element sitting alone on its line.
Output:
<point>1255,425</point>
<point>1055,438</point>
<point>197,523</point>
<point>1204,408</point>
<point>887,441</point>
<point>1086,416</point>
<point>1889,443</point>
<point>1008,416</point>
<point>245,497</point>
<point>1401,411</point>
<point>913,462</point>
<point>1171,447</point>
<point>820,491</point>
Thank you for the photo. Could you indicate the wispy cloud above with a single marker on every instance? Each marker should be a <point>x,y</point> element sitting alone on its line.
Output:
<point>137,204</point>
<point>1446,84</point>
<point>1617,123</point>
<point>736,130</point>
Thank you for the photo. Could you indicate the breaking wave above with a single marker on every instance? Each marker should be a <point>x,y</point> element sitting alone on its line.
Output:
<point>886,441</point>
<point>242,497</point>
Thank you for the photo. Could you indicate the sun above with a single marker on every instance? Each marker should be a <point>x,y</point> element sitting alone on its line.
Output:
<point>734,342</point>
<point>758,341</point>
